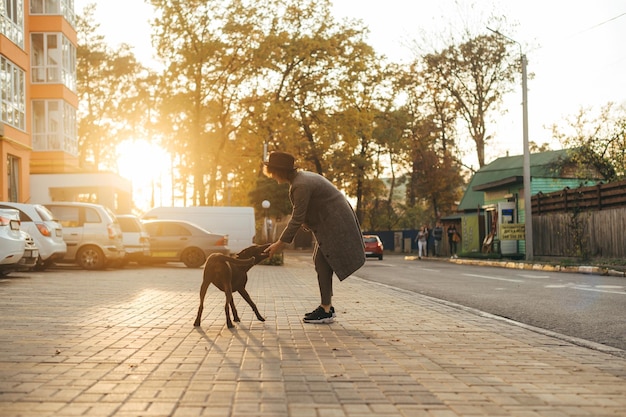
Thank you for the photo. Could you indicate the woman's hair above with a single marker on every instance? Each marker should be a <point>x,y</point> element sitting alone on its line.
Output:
<point>278,172</point>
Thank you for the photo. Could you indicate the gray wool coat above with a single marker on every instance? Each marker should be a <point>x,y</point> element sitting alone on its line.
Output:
<point>320,206</point>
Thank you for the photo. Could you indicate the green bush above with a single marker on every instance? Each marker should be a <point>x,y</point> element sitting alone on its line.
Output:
<point>274,260</point>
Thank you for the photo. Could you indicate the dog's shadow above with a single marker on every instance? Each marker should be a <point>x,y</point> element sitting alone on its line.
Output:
<point>245,336</point>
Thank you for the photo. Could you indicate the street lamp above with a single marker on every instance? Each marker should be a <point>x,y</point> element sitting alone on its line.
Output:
<point>528,215</point>
<point>267,222</point>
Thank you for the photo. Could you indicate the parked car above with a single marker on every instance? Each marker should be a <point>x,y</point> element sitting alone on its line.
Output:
<point>237,222</point>
<point>135,237</point>
<point>12,242</point>
<point>183,241</point>
<point>47,233</point>
<point>91,232</point>
<point>29,258</point>
<point>373,247</point>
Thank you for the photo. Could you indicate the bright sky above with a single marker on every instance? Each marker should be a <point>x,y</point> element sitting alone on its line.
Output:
<point>575,49</point>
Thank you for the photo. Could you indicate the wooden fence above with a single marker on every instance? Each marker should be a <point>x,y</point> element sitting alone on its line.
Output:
<point>582,234</point>
<point>588,222</point>
<point>595,197</point>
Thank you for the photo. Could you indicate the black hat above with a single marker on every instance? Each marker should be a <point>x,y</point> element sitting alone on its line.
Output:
<point>281,160</point>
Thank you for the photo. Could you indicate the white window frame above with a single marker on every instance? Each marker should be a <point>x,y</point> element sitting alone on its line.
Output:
<point>12,20</point>
<point>54,126</point>
<point>13,87</point>
<point>52,65</point>
<point>54,7</point>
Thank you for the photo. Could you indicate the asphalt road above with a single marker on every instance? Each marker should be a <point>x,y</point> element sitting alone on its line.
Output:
<point>588,307</point>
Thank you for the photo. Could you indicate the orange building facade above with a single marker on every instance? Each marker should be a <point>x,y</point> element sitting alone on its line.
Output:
<point>39,100</point>
<point>38,122</point>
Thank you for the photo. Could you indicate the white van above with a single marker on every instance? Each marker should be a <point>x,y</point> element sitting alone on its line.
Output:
<point>236,222</point>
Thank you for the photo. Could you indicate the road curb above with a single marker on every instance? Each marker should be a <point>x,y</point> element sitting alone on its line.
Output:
<point>581,269</point>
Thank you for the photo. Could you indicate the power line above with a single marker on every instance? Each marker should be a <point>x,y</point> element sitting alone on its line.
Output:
<point>554,42</point>
<point>599,24</point>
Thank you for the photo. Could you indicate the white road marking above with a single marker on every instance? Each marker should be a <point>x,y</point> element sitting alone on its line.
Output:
<point>533,276</point>
<point>599,288</point>
<point>496,278</point>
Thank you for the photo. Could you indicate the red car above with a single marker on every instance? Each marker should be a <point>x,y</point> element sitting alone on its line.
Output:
<point>373,246</point>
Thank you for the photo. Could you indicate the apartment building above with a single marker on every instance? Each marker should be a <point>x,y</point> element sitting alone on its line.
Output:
<point>38,127</point>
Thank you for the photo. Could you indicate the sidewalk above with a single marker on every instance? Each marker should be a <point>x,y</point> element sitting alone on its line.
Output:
<point>122,343</point>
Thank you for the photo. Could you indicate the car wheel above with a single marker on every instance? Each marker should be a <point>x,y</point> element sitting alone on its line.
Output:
<point>380,257</point>
<point>90,257</point>
<point>193,258</point>
<point>40,265</point>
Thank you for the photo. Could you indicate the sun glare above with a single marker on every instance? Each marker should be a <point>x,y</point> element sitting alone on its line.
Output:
<point>148,168</point>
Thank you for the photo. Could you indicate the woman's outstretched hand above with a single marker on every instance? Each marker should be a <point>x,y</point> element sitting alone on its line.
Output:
<point>276,247</point>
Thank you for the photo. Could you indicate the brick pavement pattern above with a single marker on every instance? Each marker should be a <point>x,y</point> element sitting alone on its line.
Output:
<point>107,343</point>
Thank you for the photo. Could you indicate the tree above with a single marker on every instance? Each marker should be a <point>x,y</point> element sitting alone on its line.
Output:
<point>206,54</point>
<point>599,139</point>
<point>476,73</point>
<point>315,98</point>
<point>430,135</point>
<point>106,80</point>
<point>238,80</point>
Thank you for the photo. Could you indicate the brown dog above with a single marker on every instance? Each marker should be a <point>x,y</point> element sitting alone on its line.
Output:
<point>230,274</point>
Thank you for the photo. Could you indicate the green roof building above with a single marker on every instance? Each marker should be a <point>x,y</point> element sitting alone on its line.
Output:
<point>495,197</point>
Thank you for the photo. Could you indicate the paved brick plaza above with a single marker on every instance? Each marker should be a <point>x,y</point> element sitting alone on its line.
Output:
<point>122,343</point>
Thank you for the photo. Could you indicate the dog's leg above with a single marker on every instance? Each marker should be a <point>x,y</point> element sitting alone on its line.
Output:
<point>203,289</point>
<point>229,303</point>
<point>246,297</point>
<point>234,310</point>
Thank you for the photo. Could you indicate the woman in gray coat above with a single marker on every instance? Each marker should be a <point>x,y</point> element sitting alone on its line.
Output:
<point>319,206</point>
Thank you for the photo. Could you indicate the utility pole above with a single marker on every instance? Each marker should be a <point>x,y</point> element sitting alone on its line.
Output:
<point>528,215</point>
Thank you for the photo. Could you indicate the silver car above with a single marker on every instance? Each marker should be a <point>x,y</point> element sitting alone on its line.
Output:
<point>91,232</point>
<point>182,241</point>
<point>47,233</point>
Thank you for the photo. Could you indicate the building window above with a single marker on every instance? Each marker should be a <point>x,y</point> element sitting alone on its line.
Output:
<point>12,20</point>
<point>62,7</point>
<point>54,126</point>
<point>13,86</point>
<point>53,60</point>
<point>13,172</point>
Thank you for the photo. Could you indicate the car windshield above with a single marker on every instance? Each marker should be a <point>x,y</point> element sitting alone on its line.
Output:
<point>111,215</point>
<point>370,240</point>
<point>129,224</point>
<point>23,216</point>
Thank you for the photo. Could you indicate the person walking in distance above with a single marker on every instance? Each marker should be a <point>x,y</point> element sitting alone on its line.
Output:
<point>319,206</point>
<point>437,236</point>
<point>453,239</point>
<point>422,239</point>
<point>430,241</point>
